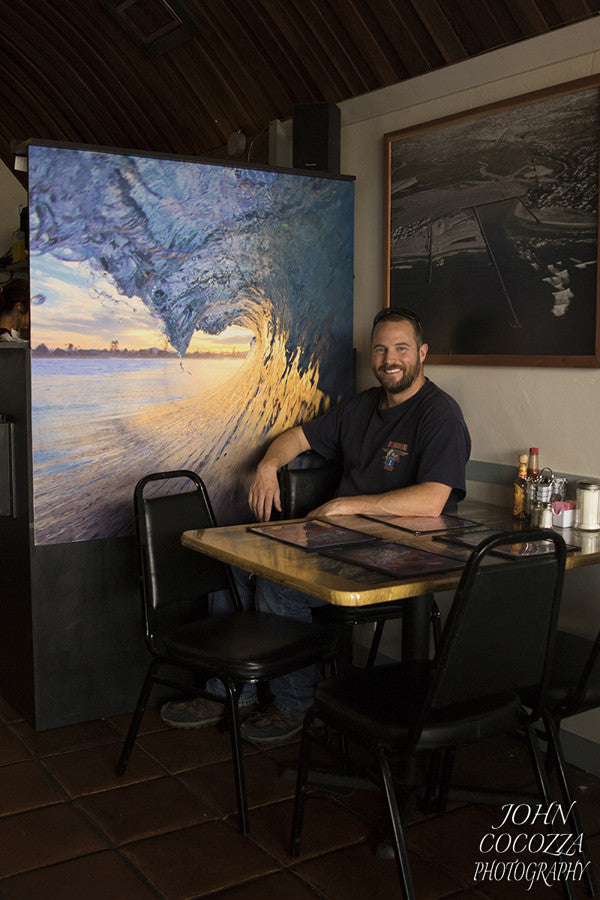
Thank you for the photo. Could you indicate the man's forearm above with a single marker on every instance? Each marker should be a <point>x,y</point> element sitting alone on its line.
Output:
<point>284,449</point>
<point>426,499</point>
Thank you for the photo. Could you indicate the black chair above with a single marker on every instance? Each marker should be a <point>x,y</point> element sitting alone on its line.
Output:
<point>574,688</point>
<point>237,647</point>
<point>498,640</point>
<point>303,490</point>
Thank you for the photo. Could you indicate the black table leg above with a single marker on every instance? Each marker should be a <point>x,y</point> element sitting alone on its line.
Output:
<point>416,625</point>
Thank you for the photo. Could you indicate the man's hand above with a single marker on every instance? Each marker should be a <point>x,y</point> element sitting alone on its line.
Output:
<point>264,490</point>
<point>264,493</point>
<point>339,506</point>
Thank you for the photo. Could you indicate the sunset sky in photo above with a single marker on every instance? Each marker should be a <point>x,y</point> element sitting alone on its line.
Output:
<point>74,311</point>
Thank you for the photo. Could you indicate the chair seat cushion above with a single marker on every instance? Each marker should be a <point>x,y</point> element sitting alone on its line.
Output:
<point>382,704</point>
<point>250,645</point>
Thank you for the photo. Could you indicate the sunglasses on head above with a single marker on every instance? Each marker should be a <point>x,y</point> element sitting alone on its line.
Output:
<point>397,311</point>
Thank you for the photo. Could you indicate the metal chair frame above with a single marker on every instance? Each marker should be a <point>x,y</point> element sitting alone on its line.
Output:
<point>238,647</point>
<point>497,642</point>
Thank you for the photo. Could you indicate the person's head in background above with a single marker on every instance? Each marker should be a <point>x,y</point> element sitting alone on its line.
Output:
<point>14,309</point>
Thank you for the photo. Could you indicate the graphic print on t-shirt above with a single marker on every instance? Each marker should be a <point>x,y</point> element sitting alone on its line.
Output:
<point>392,453</point>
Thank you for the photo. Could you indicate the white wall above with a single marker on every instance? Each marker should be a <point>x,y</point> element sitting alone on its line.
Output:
<point>507,408</point>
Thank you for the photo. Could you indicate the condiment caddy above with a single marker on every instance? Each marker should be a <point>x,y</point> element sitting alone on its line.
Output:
<point>539,498</point>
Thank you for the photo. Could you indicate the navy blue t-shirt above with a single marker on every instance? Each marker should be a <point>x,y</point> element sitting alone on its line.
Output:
<point>423,439</point>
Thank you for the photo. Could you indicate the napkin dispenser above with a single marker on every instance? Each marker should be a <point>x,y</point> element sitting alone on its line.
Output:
<point>587,516</point>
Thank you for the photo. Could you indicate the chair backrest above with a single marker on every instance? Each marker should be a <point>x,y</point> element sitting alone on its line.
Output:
<point>303,490</point>
<point>175,580</point>
<point>500,631</point>
<point>579,700</point>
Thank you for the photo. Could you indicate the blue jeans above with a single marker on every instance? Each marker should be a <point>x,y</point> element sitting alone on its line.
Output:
<point>293,693</point>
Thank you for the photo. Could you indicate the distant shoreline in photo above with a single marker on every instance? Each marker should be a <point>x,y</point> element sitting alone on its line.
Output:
<point>147,353</point>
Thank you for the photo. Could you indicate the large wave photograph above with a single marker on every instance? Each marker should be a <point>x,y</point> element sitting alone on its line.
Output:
<point>183,315</point>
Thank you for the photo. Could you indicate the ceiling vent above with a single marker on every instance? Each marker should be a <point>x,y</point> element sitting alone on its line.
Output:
<point>157,25</point>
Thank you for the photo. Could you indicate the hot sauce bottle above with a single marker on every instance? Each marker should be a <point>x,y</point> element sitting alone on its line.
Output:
<point>520,490</point>
<point>533,467</point>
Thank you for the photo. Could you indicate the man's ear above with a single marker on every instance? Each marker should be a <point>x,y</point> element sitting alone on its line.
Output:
<point>423,352</point>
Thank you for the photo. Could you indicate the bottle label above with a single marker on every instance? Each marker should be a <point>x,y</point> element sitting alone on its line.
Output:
<point>519,502</point>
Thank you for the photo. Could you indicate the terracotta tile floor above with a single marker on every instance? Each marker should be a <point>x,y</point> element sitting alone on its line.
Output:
<point>70,829</point>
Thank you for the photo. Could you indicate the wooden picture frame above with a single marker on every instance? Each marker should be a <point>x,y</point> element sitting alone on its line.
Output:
<point>491,229</point>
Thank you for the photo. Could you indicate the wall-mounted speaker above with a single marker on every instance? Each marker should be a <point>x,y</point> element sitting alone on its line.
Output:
<point>316,137</point>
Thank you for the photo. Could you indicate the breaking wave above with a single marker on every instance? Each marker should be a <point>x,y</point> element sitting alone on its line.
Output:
<point>204,247</point>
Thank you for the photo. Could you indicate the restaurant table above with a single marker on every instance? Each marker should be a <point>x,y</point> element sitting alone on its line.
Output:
<point>346,584</point>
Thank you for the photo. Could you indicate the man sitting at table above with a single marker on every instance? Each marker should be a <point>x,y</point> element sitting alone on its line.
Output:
<point>403,447</point>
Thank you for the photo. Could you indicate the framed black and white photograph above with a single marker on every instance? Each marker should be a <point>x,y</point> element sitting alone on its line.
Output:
<point>491,229</point>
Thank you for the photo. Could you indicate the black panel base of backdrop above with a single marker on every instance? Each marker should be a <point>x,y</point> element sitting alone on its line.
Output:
<point>71,636</point>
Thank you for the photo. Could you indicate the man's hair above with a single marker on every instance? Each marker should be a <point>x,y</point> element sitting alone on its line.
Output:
<point>12,293</point>
<point>400,314</point>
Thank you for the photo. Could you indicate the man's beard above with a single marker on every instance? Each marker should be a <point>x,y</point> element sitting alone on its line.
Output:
<point>409,376</point>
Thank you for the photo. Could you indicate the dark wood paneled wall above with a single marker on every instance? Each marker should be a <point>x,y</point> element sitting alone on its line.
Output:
<point>70,72</point>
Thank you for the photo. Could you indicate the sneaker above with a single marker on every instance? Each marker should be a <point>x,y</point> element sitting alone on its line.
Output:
<point>272,726</point>
<point>197,713</point>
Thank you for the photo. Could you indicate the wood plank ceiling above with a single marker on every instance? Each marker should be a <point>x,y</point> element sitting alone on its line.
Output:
<point>70,71</point>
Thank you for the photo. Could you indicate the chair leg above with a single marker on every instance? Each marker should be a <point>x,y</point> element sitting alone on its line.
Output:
<point>555,751</point>
<point>301,785</point>
<point>445,776</point>
<point>436,624</point>
<point>544,790</point>
<point>233,693</point>
<point>136,719</point>
<point>341,737</point>
<point>345,646</point>
<point>438,781</point>
<point>429,802</point>
<point>400,850</point>
<point>375,644</point>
